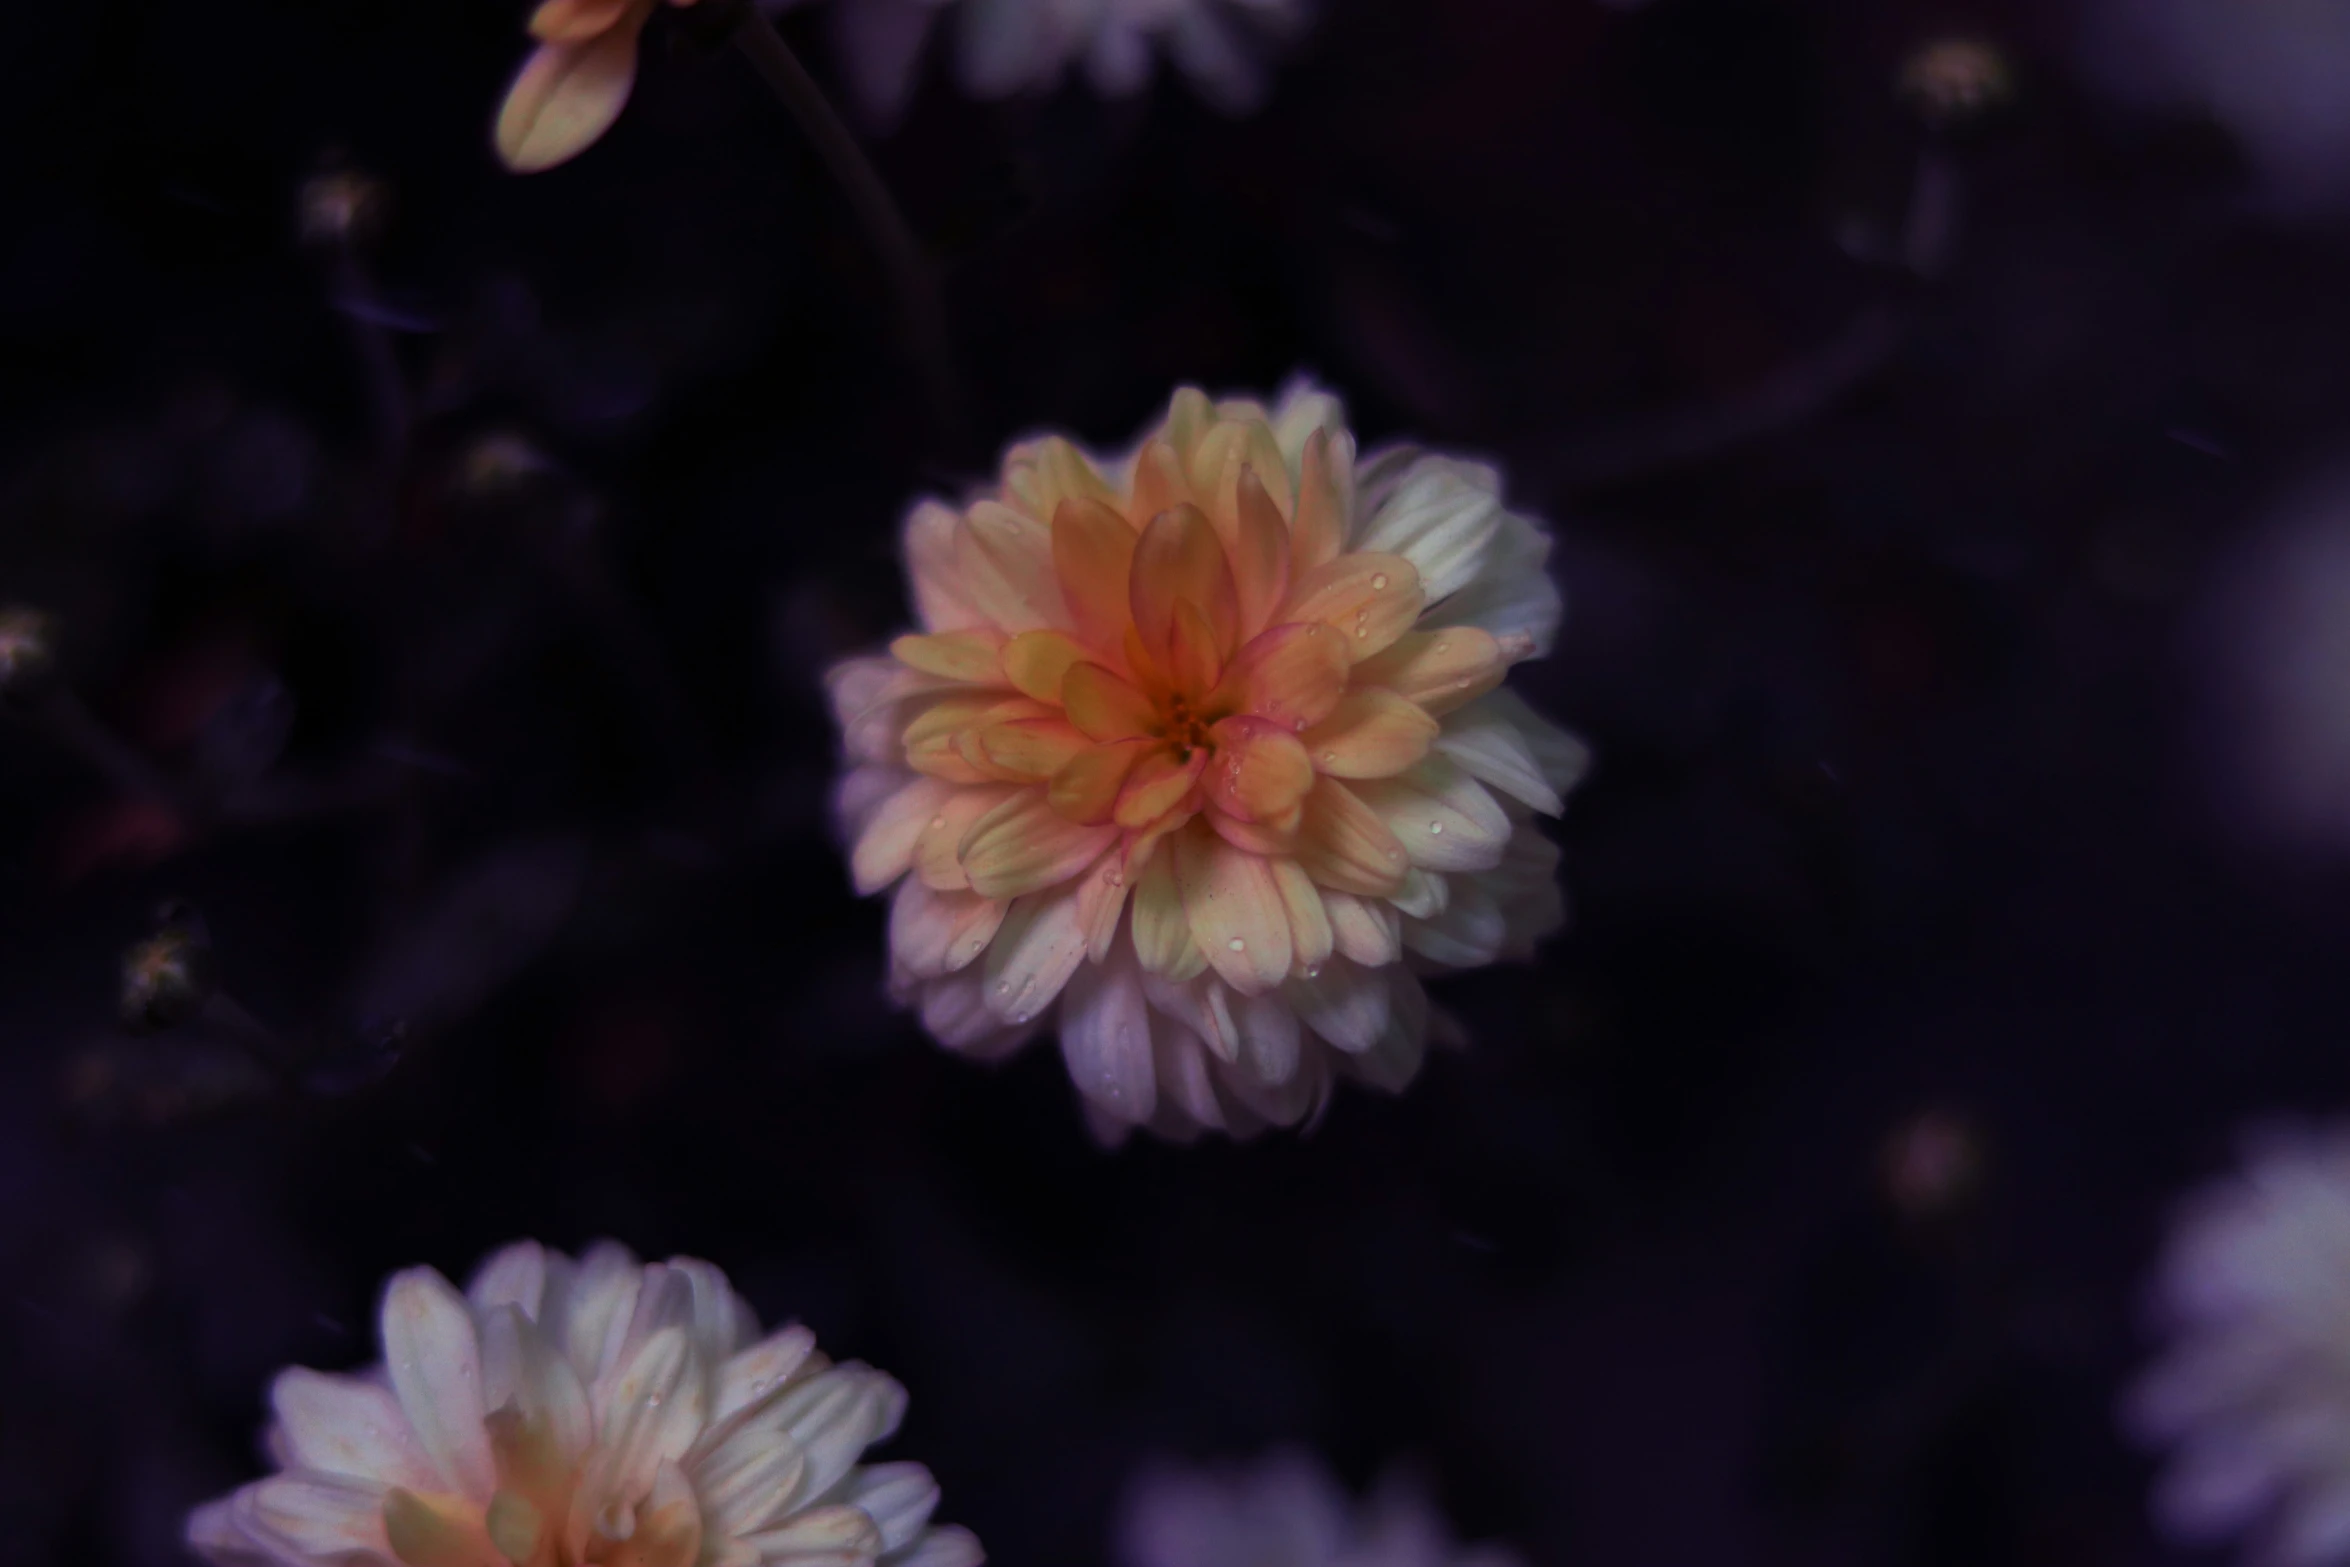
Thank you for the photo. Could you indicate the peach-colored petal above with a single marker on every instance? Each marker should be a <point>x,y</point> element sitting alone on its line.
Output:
<point>967,657</point>
<point>1370,600</point>
<point>1006,562</point>
<point>1179,560</point>
<point>886,847</point>
<point>1093,551</point>
<point>1160,483</point>
<point>575,21</point>
<point>1371,734</point>
<point>1344,844</point>
<point>1162,930</point>
<point>1261,772</point>
<point>1036,662</point>
<point>1317,527</point>
<point>1162,778</point>
<point>1086,788</point>
<point>1439,670</point>
<point>1310,938</point>
<point>1024,844</point>
<point>565,96</point>
<point>1273,839</point>
<point>938,837</point>
<point>1032,749</point>
<point>1101,901</point>
<point>1234,907</point>
<point>1104,707</point>
<point>1193,661</point>
<point>931,738</point>
<point>941,600</point>
<point>1293,674</point>
<point>1260,553</point>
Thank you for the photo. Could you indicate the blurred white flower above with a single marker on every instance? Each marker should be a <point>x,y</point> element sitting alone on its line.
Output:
<point>1003,48</point>
<point>2253,1392</point>
<point>561,1413</point>
<point>2276,73</point>
<point>1195,746</point>
<point>1285,1510</point>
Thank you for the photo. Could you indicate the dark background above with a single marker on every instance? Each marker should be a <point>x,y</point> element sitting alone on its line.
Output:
<point>1902,804</point>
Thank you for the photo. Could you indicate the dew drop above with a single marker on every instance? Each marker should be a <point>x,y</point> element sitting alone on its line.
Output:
<point>1003,987</point>
<point>1237,945</point>
<point>1395,854</point>
<point>1113,877</point>
<point>938,821</point>
<point>1301,726</point>
<point>1436,828</point>
<point>1441,644</point>
<point>1329,757</point>
<point>1379,582</point>
<point>1313,971</point>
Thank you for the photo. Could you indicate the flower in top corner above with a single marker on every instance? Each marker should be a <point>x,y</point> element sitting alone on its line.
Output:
<point>575,82</point>
<point>1202,755</point>
<point>2252,1393</point>
<point>561,1413</point>
<point>1285,1510</point>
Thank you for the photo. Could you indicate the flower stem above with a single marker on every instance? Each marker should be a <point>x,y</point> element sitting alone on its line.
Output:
<point>921,315</point>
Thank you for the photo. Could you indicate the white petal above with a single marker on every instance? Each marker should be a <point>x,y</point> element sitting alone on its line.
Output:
<point>1468,934</point>
<point>312,1517</point>
<point>1440,514</point>
<point>1300,410</point>
<point>520,1366</point>
<point>514,1275</point>
<point>1203,1004</point>
<point>1513,596</point>
<point>648,1415</point>
<point>212,1532</point>
<point>1187,1082</point>
<point>1368,932</point>
<point>748,1480</point>
<point>1423,893</point>
<point>1501,740</point>
<point>1394,1057</point>
<point>1038,947</point>
<point>1270,1038</point>
<point>821,1538</point>
<point>1344,1004</point>
<point>1106,1038</point>
<point>434,1360</point>
<point>899,1498</point>
<point>1444,818</point>
<point>348,1426</point>
<point>762,1369</point>
<point>833,1417</point>
<point>935,933</point>
<point>722,1323</point>
<point>956,1013</point>
<point>886,847</point>
<point>943,1548</point>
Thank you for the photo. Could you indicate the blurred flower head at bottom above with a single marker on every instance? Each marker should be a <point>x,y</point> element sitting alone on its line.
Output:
<point>2252,1393</point>
<point>1285,1510</point>
<point>562,1413</point>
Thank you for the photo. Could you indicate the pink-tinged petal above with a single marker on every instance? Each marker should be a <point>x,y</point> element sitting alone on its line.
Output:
<point>1260,773</point>
<point>1037,662</point>
<point>1318,526</point>
<point>1031,750</point>
<point>1193,658</point>
<point>565,96</point>
<point>513,1275</point>
<point>956,1014</point>
<point>1093,551</point>
<point>347,1426</point>
<point>1162,931</point>
<point>1270,1038</point>
<point>1161,781</point>
<point>1024,845</point>
<point>1260,553</point>
<point>1311,940</point>
<point>1370,600</point>
<point>1445,819</point>
<point>1101,900</point>
<point>935,933</point>
<point>972,658</point>
<point>304,1517</point>
<point>572,21</point>
<point>1235,911</point>
<point>1103,706</point>
<point>1041,944</point>
<point>213,1532</point>
<point>939,843</point>
<point>1086,788</point>
<point>886,847</point>
<point>1293,675</point>
<point>1179,560</point>
<point>942,601</point>
<point>1367,931</point>
<point>1186,1081</point>
<point>1371,734</point>
<point>1160,483</point>
<point>434,1361</point>
<point>899,1498</point>
<point>1344,844</point>
<point>668,1522</point>
<point>1106,1039</point>
<point>1268,840</point>
<point>1007,561</point>
<point>1438,670</point>
<point>1345,1005</point>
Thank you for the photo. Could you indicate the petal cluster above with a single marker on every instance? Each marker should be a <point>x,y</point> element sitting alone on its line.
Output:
<point>1194,749</point>
<point>601,1411</point>
<point>575,82</point>
<point>1285,1511</point>
<point>2253,1392</point>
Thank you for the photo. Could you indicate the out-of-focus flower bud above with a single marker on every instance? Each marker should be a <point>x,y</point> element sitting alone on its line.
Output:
<point>341,206</point>
<point>28,655</point>
<point>1931,1165</point>
<point>500,464</point>
<point>1953,80</point>
<point>167,978</point>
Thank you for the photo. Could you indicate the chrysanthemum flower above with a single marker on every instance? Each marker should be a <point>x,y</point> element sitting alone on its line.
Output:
<point>1285,1511</point>
<point>2254,1391</point>
<point>1194,747</point>
<point>562,1413</point>
<point>575,83</point>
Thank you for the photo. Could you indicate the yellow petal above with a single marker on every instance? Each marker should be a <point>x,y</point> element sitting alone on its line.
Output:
<point>1046,473</point>
<point>1343,843</point>
<point>1372,733</point>
<point>1370,600</point>
<point>1086,788</point>
<point>1036,662</point>
<point>1310,939</point>
<point>1034,749</point>
<point>939,838</point>
<point>1162,934</point>
<point>1317,528</point>
<point>1105,707</point>
<point>1024,845</point>
<point>1235,911</point>
<point>967,657</point>
<point>1160,483</point>
<point>565,96</point>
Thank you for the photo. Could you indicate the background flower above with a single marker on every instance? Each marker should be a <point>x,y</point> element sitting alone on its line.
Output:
<point>1285,1510</point>
<point>1210,736</point>
<point>559,1413</point>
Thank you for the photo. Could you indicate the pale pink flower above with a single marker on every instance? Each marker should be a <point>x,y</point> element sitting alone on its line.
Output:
<point>1202,753</point>
<point>575,83</point>
<point>561,1413</point>
<point>1285,1510</point>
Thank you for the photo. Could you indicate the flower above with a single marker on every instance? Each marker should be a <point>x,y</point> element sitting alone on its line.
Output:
<point>1007,47</point>
<point>575,83</point>
<point>1194,746</point>
<point>1285,1511</point>
<point>559,1413</point>
<point>2254,1391</point>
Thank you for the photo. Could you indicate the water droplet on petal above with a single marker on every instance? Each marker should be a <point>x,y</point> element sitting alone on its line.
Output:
<point>1436,827</point>
<point>1003,987</point>
<point>1441,644</point>
<point>1329,757</point>
<point>1113,877</point>
<point>1379,582</point>
<point>938,821</point>
<point>1395,854</point>
<point>1237,945</point>
<point>1313,971</point>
